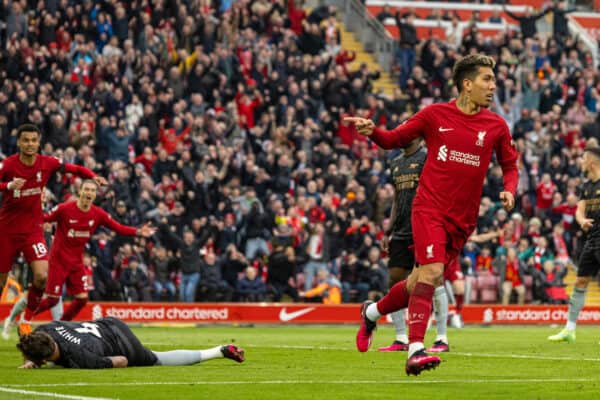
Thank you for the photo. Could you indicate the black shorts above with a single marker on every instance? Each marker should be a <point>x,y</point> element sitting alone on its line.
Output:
<point>589,259</point>
<point>401,254</point>
<point>130,346</point>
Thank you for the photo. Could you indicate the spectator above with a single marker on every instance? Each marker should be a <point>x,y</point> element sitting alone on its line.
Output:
<point>327,290</point>
<point>317,249</point>
<point>483,262</point>
<point>281,278</point>
<point>233,263</point>
<point>354,277</point>
<point>377,274</point>
<point>512,276</point>
<point>384,14</point>
<point>408,41</point>
<point>135,282</point>
<point>251,288</point>
<point>189,254</point>
<point>560,28</point>
<point>544,192</point>
<point>527,21</point>
<point>212,286</point>
<point>162,265</point>
<point>255,224</point>
<point>16,23</point>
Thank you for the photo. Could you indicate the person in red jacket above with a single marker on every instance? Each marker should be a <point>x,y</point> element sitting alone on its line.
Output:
<point>544,194</point>
<point>461,138</point>
<point>169,137</point>
<point>247,101</point>
<point>297,16</point>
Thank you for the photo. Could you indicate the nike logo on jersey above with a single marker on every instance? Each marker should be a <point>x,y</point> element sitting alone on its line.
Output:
<point>445,129</point>
<point>72,221</point>
<point>286,316</point>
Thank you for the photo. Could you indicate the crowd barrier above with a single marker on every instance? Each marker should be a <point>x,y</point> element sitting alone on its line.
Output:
<point>306,313</point>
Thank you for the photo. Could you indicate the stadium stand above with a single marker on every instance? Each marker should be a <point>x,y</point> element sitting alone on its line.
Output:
<point>223,119</point>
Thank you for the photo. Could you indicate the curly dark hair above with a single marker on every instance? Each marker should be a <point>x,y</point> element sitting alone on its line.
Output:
<point>36,347</point>
<point>28,128</point>
<point>468,67</point>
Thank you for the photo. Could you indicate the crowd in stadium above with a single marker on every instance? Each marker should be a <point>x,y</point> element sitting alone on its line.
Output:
<point>221,122</point>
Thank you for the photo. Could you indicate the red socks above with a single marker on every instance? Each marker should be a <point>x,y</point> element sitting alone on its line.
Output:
<point>74,308</point>
<point>34,296</point>
<point>396,299</point>
<point>419,311</point>
<point>46,304</point>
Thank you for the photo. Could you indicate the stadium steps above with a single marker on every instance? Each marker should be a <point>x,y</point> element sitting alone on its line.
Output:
<point>593,293</point>
<point>385,83</point>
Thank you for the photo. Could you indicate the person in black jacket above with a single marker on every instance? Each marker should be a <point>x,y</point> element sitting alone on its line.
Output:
<point>251,287</point>
<point>189,250</point>
<point>281,267</point>
<point>354,276</point>
<point>408,41</point>
<point>135,282</point>
<point>162,264</point>
<point>232,263</point>
<point>255,225</point>
<point>213,287</point>
<point>560,23</point>
<point>527,21</point>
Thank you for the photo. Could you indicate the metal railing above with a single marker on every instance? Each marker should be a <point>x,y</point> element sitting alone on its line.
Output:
<point>367,29</point>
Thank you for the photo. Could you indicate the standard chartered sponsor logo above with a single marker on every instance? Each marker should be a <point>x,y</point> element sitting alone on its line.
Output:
<point>543,314</point>
<point>27,192</point>
<point>72,233</point>
<point>168,313</point>
<point>465,158</point>
<point>458,156</point>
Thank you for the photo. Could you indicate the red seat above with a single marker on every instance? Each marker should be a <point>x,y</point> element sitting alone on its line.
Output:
<point>488,288</point>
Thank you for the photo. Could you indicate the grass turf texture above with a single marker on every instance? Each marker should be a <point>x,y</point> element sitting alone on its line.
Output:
<point>295,362</point>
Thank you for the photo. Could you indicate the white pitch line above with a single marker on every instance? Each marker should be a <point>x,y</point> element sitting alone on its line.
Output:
<point>46,394</point>
<point>310,381</point>
<point>483,355</point>
<point>527,357</point>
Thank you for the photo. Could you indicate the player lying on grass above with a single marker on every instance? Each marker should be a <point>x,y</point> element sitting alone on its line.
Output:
<point>106,343</point>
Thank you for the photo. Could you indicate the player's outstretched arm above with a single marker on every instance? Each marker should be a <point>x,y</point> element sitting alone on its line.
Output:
<point>146,230</point>
<point>85,173</point>
<point>364,126</point>
<point>78,170</point>
<point>400,136</point>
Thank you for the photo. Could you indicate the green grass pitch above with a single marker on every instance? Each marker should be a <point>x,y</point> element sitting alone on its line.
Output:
<point>295,362</point>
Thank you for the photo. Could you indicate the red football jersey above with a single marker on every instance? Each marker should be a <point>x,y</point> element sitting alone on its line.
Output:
<point>460,148</point>
<point>21,210</point>
<point>75,228</point>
